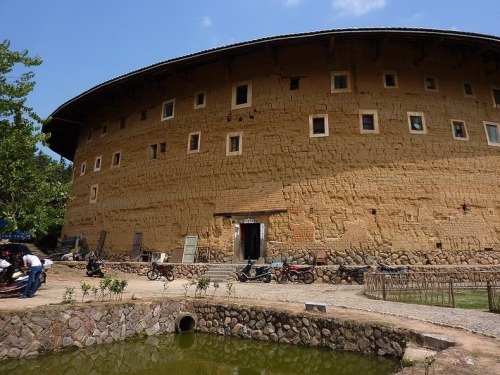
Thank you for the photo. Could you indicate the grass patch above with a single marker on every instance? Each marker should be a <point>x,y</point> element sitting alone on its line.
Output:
<point>465,299</point>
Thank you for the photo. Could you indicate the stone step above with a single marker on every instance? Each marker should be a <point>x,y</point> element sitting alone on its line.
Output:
<point>220,272</point>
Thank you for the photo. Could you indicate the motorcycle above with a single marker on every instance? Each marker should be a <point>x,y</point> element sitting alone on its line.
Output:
<point>349,274</point>
<point>158,270</point>
<point>383,267</point>
<point>295,273</point>
<point>94,267</point>
<point>15,282</point>
<point>262,273</point>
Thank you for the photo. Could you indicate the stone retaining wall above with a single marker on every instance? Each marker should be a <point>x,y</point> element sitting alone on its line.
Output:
<point>54,328</point>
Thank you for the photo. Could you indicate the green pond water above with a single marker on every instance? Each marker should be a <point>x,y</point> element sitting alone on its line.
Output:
<point>199,354</point>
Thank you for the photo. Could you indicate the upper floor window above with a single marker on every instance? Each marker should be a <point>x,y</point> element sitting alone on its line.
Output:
<point>241,95</point>
<point>194,142</point>
<point>390,80</point>
<point>94,189</point>
<point>468,89</point>
<point>116,159</point>
<point>416,122</point>
<point>143,115</point>
<point>459,130</point>
<point>82,168</point>
<point>318,126</point>
<point>496,97</point>
<point>340,82</point>
<point>368,121</point>
<point>122,122</point>
<point>234,143</point>
<point>200,100</point>
<point>294,83</point>
<point>430,84</point>
<point>492,133</point>
<point>153,151</point>
<point>104,129</point>
<point>89,135</point>
<point>97,163</point>
<point>168,108</point>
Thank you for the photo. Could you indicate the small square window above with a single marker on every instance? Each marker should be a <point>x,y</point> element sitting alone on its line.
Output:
<point>430,84</point>
<point>115,161</point>
<point>318,125</point>
<point>104,129</point>
<point>199,100</point>
<point>368,121</point>
<point>153,151</point>
<point>82,168</point>
<point>97,164</point>
<point>194,142</point>
<point>468,89</point>
<point>94,189</point>
<point>390,80</point>
<point>242,95</point>
<point>496,97</point>
<point>234,143</point>
<point>168,108</point>
<point>492,133</point>
<point>163,147</point>
<point>416,122</point>
<point>340,82</point>
<point>459,130</point>
<point>294,83</point>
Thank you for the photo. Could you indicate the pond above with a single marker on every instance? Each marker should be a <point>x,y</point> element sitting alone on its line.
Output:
<point>195,353</point>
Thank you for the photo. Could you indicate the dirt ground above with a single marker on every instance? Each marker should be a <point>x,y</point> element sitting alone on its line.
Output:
<point>473,353</point>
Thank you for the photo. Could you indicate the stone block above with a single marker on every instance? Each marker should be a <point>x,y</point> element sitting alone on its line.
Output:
<point>316,306</point>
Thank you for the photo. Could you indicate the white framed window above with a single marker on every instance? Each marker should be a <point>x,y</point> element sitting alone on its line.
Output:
<point>318,126</point>
<point>368,121</point>
<point>200,100</point>
<point>416,122</point>
<point>153,151</point>
<point>340,81</point>
<point>194,142</point>
<point>390,80</point>
<point>83,167</point>
<point>234,143</point>
<point>97,163</point>
<point>168,110</point>
<point>94,190</point>
<point>104,129</point>
<point>492,130</point>
<point>241,95</point>
<point>116,159</point>
<point>459,130</point>
<point>468,90</point>
<point>430,84</point>
<point>495,93</point>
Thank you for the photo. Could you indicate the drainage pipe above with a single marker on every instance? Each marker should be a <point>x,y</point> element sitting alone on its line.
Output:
<point>185,322</point>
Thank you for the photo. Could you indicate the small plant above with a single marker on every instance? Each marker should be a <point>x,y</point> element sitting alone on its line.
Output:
<point>165,286</point>
<point>187,286</point>
<point>95,290</point>
<point>116,287</point>
<point>230,289</point>
<point>103,286</point>
<point>202,286</point>
<point>428,363</point>
<point>85,289</point>
<point>69,296</point>
<point>216,286</point>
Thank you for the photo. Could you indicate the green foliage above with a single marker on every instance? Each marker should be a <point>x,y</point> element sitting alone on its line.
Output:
<point>230,289</point>
<point>85,289</point>
<point>216,286</point>
<point>33,187</point>
<point>188,286</point>
<point>202,286</point>
<point>69,296</point>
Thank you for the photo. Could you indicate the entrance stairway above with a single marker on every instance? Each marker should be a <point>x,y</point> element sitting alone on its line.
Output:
<point>220,272</point>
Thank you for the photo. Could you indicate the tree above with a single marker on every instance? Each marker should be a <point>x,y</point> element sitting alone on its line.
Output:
<point>33,191</point>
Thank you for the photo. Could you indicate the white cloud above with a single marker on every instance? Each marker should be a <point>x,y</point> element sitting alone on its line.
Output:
<point>358,7</point>
<point>292,3</point>
<point>206,22</point>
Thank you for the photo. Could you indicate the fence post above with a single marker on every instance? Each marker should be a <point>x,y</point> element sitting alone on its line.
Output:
<point>490,295</point>
<point>384,294</point>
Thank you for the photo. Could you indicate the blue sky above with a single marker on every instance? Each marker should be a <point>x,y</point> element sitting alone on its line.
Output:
<point>86,42</point>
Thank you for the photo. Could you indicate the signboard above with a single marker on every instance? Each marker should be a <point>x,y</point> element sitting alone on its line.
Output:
<point>190,246</point>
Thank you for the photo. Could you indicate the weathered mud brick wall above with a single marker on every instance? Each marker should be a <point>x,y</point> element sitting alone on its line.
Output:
<point>390,192</point>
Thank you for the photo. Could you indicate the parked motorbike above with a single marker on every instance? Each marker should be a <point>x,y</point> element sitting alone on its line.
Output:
<point>15,282</point>
<point>383,267</point>
<point>350,274</point>
<point>261,273</point>
<point>165,270</point>
<point>94,267</point>
<point>293,273</point>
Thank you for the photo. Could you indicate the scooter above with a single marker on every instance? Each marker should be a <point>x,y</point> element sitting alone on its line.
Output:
<point>350,274</point>
<point>262,273</point>
<point>15,282</point>
<point>94,267</point>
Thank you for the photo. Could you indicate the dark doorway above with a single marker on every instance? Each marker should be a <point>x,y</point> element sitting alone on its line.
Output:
<point>250,240</point>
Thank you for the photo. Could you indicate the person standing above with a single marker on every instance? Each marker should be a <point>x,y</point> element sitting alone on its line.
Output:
<point>34,278</point>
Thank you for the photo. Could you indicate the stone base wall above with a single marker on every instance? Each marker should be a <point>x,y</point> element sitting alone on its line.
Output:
<point>47,329</point>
